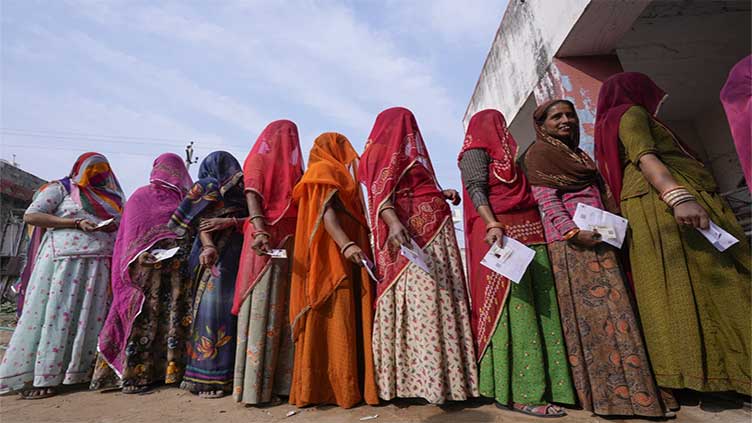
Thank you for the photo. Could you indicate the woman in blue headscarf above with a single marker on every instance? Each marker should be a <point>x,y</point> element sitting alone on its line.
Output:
<point>218,199</point>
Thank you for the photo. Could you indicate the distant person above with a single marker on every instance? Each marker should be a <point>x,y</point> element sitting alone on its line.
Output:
<point>422,340</point>
<point>609,364</point>
<point>694,300</point>
<point>264,352</point>
<point>518,338</point>
<point>213,264</point>
<point>736,97</point>
<point>143,340</point>
<point>67,298</point>
<point>331,295</point>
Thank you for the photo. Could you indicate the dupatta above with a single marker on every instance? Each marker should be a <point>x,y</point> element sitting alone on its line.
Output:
<point>736,97</point>
<point>271,170</point>
<point>144,223</point>
<point>513,205</point>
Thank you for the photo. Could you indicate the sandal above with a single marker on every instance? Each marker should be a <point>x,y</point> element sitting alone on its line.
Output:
<point>542,411</point>
<point>211,394</point>
<point>135,389</point>
<point>37,393</point>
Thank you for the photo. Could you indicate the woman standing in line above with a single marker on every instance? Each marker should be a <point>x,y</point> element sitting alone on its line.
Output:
<point>214,266</point>
<point>694,300</point>
<point>330,293</point>
<point>67,294</point>
<point>422,341</point>
<point>517,330</point>
<point>608,360</point>
<point>264,353</point>
<point>143,337</point>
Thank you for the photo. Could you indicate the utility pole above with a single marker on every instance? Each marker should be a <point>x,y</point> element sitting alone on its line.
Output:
<point>189,159</point>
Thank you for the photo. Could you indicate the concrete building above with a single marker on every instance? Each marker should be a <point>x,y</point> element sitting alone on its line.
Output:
<point>567,48</point>
<point>16,191</point>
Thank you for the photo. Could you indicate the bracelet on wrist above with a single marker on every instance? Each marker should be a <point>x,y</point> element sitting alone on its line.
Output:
<point>345,247</point>
<point>208,247</point>
<point>77,223</point>
<point>257,233</point>
<point>256,216</point>
<point>385,208</point>
<point>670,190</point>
<point>494,225</point>
<point>571,234</point>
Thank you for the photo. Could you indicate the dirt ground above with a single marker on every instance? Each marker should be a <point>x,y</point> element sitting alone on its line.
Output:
<point>174,405</point>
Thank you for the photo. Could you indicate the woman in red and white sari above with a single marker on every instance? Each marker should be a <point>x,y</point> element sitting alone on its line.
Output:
<point>422,340</point>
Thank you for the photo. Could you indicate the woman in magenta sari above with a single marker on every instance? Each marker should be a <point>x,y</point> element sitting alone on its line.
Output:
<point>144,335</point>
<point>422,341</point>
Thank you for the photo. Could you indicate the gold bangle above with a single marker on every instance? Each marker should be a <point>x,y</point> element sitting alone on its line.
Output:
<point>345,247</point>
<point>264,233</point>
<point>571,234</point>
<point>385,208</point>
<point>494,225</point>
<point>666,192</point>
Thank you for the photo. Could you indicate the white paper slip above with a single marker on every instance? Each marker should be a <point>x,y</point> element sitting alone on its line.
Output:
<point>717,236</point>
<point>276,253</point>
<point>415,255</point>
<point>369,268</point>
<point>104,223</point>
<point>613,228</point>
<point>511,260</point>
<point>161,254</point>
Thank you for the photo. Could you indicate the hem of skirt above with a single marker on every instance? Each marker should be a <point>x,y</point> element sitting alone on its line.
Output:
<point>702,384</point>
<point>430,401</point>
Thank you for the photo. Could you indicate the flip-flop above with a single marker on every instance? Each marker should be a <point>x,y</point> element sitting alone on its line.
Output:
<point>139,390</point>
<point>211,394</point>
<point>27,394</point>
<point>527,409</point>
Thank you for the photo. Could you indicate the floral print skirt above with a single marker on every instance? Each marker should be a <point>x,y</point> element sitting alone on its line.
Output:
<point>55,341</point>
<point>609,363</point>
<point>264,353</point>
<point>422,340</point>
<point>155,351</point>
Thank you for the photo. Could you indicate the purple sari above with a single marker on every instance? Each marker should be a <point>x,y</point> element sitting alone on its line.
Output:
<point>144,223</point>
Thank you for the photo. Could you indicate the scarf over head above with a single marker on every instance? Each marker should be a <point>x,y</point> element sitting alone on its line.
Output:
<point>736,97</point>
<point>144,223</point>
<point>553,163</point>
<point>318,265</point>
<point>94,187</point>
<point>395,146</point>
<point>617,95</point>
<point>273,167</point>
<point>271,170</point>
<point>512,203</point>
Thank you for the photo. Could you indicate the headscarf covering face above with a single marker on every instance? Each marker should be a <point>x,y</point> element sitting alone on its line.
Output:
<point>94,187</point>
<point>144,223</point>
<point>273,167</point>
<point>488,131</point>
<point>394,146</point>
<point>617,94</point>
<point>226,170</point>
<point>736,97</point>
<point>318,265</point>
<point>554,163</point>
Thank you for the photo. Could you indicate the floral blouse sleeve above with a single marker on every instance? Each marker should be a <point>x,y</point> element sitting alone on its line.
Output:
<point>554,212</point>
<point>47,200</point>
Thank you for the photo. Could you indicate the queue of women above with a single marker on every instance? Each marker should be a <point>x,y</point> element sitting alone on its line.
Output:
<point>269,293</point>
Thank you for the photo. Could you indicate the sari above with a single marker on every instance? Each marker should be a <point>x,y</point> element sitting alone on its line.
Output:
<point>423,343</point>
<point>211,345</point>
<point>694,300</point>
<point>736,97</point>
<point>124,345</point>
<point>264,352</point>
<point>66,292</point>
<point>331,297</point>
<point>518,337</point>
<point>609,364</point>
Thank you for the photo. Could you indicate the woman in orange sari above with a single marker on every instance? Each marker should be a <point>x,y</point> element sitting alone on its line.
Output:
<point>330,293</point>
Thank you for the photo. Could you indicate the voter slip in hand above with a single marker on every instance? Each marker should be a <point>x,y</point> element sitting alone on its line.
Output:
<point>720,239</point>
<point>161,254</point>
<point>416,255</point>
<point>276,253</point>
<point>368,265</point>
<point>511,260</point>
<point>612,228</point>
<point>104,223</point>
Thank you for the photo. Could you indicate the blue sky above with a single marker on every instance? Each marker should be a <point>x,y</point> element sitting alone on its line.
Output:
<point>135,79</point>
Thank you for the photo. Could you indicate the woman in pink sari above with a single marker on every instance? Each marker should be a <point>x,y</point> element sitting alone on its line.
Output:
<point>422,341</point>
<point>143,339</point>
<point>736,97</point>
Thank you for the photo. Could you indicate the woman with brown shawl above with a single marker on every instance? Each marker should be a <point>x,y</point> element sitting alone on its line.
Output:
<point>609,365</point>
<point>330,292</point>
<point>423,343</point>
